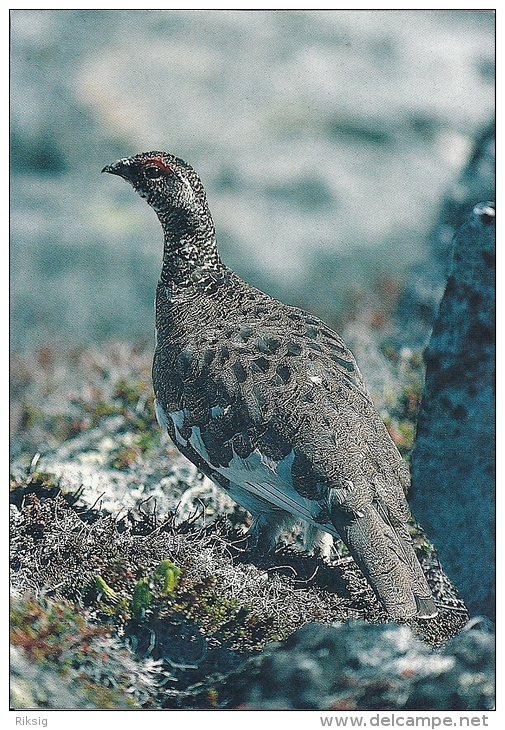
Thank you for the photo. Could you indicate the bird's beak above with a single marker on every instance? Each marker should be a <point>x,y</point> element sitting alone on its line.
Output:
<point>120,168</point>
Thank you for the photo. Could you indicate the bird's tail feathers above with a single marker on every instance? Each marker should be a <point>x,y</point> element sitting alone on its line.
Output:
<point>387,558</point>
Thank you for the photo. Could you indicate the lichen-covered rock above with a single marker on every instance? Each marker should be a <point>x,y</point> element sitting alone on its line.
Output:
<point>361,666</point>
<point>453,459</point>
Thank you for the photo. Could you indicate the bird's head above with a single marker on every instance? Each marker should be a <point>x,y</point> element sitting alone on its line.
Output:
<point>174,190</point>
<point>167,183</point>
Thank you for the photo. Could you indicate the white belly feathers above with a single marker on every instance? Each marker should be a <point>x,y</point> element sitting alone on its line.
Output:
<point>257,475</point>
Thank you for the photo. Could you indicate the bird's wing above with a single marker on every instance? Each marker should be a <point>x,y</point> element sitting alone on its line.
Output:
<point>268,480</point>
<point>278,409</point>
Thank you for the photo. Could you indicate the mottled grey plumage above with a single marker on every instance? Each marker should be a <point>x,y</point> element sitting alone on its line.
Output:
<point>268,401</point>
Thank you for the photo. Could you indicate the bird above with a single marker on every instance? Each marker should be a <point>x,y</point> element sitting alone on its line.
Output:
<point>268,402</point>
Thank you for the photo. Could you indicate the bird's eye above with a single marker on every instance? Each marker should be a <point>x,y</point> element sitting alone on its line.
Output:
<point>153,172</point>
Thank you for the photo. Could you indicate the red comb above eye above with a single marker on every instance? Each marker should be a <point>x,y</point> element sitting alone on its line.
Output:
<point>157,162</point>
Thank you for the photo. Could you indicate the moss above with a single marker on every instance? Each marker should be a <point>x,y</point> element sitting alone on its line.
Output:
<point>169,574</point>
<point>111,603</point>
<point>131,399</point>
<point>142,598</point>
<point>106,698</point>
<point>121,388</point>
<point>403,434</point>
<point>37,480</point>
<point>212,697</point>
<point>407,431</point>
<point>410,398</point>
<point>129,392</point>
<point>135,400</point>
<point>165,595</point>
<point>225,619</point>
<point>100,410</point>
<point>422,544</point>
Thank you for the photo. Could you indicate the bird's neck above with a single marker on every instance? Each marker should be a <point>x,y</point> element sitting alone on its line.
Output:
<point>190,255</point>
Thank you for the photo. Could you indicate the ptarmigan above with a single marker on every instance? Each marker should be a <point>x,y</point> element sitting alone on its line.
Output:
<point>268,401</point>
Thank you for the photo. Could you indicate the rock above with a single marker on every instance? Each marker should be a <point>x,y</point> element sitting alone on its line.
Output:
<point>453,460</point>
<point>362,666</point>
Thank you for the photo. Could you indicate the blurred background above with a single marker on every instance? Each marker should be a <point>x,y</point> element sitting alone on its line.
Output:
<point>326,141</point>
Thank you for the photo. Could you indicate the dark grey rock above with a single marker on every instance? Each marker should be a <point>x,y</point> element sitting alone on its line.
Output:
<point>453,460</point>
<point>362,666</point>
